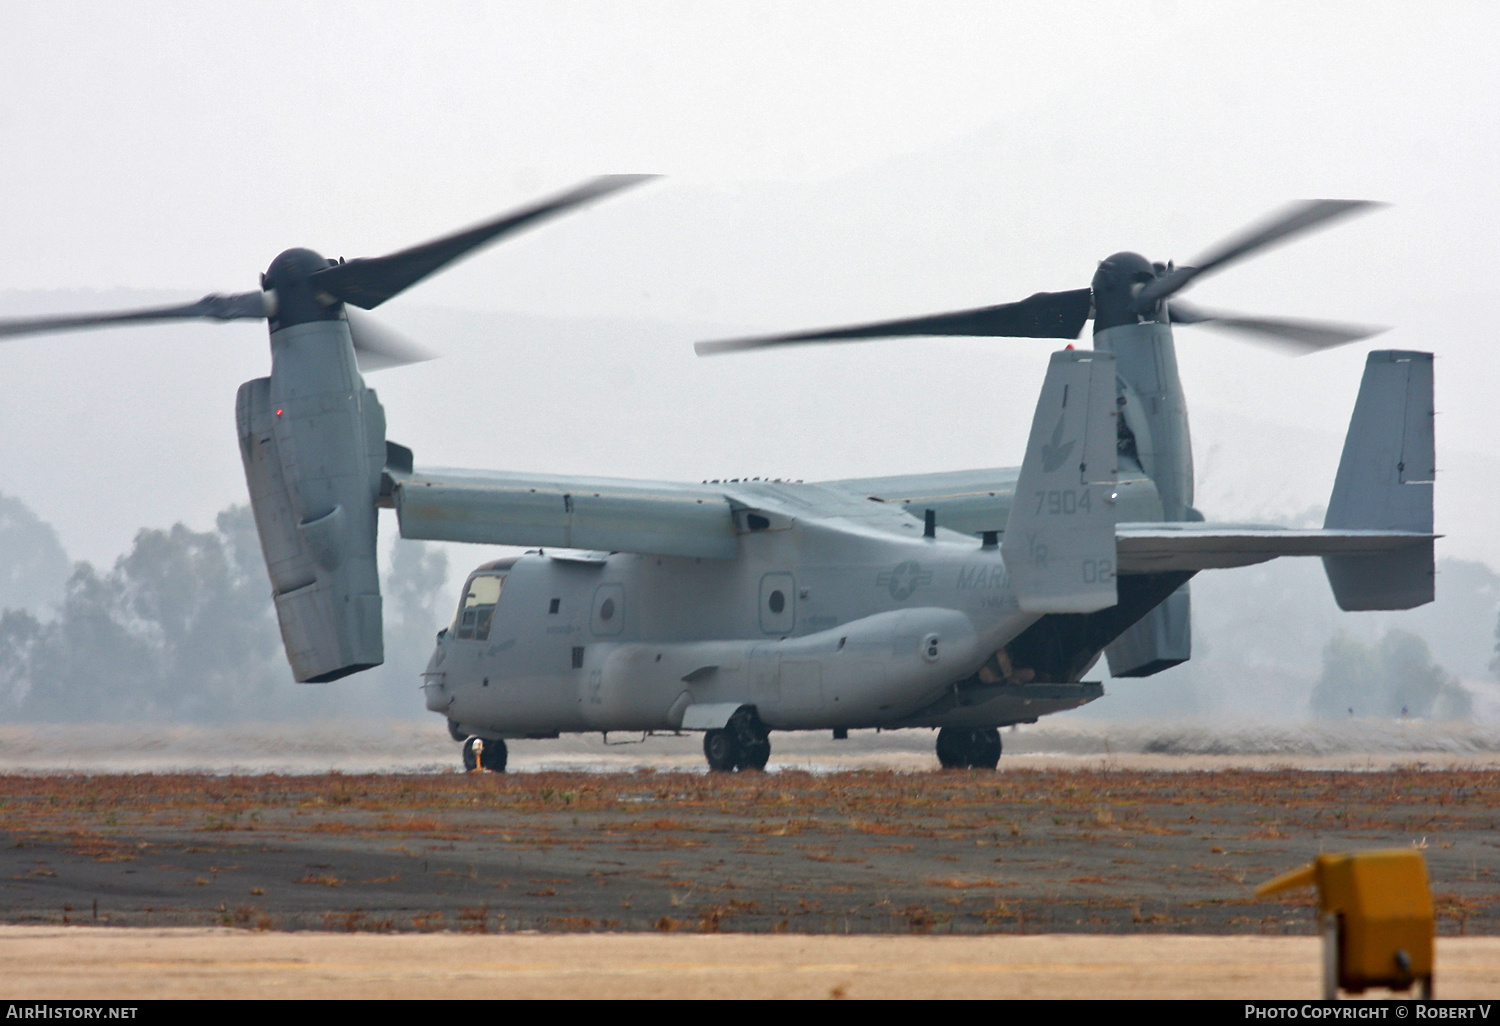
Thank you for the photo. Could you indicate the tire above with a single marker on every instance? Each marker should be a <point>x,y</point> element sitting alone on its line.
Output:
<point>494,756</point>
<point>755,756</point>
<point>968,749</point>
<point>749,739</point>
<point>952,748</point>
<point>984,749</point>
<point>720,750</point>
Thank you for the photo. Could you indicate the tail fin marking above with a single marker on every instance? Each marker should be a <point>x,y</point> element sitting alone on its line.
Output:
<point>1059,546</point>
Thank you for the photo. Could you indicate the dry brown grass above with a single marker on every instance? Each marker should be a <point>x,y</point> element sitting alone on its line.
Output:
<point>884,804</point>
<point>326,879</point>
<point>1241,826</point>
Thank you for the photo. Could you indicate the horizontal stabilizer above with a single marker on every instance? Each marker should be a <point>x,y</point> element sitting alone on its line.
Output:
<point>1154,548</point>
<point>1376,541</point>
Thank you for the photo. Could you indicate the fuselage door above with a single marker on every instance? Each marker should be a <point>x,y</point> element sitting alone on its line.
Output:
<point>608,616</point>
<point>778,603</point>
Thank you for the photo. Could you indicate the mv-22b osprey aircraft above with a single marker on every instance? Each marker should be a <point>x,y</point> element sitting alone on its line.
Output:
<point>963,601</point>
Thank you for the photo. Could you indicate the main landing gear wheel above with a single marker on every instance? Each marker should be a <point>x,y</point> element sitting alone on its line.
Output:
<point>743,743</point>
<point>755,755</point>
<point>719,749</point>
<point>484,753</point>
<point>968,749</point>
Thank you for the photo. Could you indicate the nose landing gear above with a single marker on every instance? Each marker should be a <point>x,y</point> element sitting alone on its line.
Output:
<point>958,748</point>
<point>743,743</point>
<point>482,753</point>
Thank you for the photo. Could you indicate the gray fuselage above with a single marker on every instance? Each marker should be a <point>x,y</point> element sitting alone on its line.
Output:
<point>849,618</point>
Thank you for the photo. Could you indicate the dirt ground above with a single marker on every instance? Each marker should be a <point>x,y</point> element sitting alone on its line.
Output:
<point>127,964</point>
<point>1023,851</point>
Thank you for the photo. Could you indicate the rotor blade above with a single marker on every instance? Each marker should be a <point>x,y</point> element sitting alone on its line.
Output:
<point>1294,334</point>
<point>1044,315</point>
<point>378,346</point>
<point>369,281</point>
<point>245,305</point>
<point>1294,220</point>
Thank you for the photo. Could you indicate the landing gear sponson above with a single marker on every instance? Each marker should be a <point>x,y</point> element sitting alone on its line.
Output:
<point>961,748</point>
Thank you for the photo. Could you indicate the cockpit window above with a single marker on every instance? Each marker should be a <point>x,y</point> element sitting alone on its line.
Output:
<point>477,610</point>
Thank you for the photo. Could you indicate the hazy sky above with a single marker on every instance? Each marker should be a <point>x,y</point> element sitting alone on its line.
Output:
<point>827,162</point>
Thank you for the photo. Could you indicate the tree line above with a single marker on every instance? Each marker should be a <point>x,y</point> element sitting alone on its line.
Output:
<point>182,628</point>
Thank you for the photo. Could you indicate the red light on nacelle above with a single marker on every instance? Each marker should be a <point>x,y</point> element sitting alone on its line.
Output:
<point>278,413</point>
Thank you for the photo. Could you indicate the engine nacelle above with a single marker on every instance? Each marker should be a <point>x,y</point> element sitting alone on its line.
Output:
<point>312,437</point>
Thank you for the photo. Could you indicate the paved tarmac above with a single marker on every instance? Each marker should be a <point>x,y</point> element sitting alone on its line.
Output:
<point>127,964</point>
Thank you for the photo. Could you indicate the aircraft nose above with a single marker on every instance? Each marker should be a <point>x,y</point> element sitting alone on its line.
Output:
<point>435,691</point>
<point>435,679</point>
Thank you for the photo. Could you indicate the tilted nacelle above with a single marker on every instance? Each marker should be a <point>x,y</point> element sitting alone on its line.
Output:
<point>312,437</point>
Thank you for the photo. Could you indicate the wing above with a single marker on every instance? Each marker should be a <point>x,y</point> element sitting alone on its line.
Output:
<point>970,501</point>
<point>492,508</point>
<point>977,501</point>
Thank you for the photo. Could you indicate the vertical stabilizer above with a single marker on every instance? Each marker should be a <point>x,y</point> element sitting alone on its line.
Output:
<point>1385,483</point>
<point>1059,545</point>
<point>1155,432</point>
